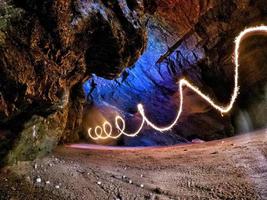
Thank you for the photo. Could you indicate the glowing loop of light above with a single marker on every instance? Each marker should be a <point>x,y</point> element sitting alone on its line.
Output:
<point>105,131</point>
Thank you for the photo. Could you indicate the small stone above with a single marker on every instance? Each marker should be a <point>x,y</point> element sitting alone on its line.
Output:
<point>124,177</point>
<point>141,175</point>
<point>98,182</point>
<point>142,185</point>
<point>158,190</point>
<point>50,164</point>
<point>38,180</point>
<point>130,181</point>
<point>35,166</point>
<point>57,186</point>
<point>34,131</point>
<point>47,182</point>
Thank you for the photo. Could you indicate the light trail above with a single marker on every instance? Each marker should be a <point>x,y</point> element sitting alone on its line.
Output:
<point>105,131</point>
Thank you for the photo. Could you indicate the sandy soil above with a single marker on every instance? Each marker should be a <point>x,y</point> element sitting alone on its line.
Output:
<point>234,168</point>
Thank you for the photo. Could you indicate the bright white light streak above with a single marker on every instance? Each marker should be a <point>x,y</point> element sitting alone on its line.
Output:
<point>105,131</point>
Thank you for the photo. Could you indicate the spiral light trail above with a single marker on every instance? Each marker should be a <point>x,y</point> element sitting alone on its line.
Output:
<point>105,131</point>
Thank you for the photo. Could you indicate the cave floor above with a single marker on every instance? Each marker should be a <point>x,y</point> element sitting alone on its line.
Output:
<point>233,168</point>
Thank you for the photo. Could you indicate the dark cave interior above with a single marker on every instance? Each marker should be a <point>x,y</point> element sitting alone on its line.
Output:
<point>64,72</point>
<point>133,99</point>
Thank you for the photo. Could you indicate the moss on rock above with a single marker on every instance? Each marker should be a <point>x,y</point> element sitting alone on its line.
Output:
<point>38,138</point>
<point>8,13</point>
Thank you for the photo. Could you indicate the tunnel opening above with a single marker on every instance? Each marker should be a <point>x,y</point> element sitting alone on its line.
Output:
<point>145,82</point>
<point>154,84</point>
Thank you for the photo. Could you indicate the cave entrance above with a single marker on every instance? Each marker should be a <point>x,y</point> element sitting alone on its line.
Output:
<point>155,85</point>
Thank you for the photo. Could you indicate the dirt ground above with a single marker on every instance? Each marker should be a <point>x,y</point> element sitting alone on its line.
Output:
<point>233,168</point>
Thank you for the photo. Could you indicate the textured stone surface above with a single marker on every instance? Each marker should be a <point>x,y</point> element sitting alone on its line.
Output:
<point>48,48</point>
<point>181,15</point>
<point>55,44</point>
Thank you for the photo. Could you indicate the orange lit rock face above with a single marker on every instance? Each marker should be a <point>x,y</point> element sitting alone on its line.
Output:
<point>181,15</point>
<point>53,45</point>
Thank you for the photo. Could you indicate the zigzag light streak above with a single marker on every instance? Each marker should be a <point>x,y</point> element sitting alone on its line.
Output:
<point>105,131</point>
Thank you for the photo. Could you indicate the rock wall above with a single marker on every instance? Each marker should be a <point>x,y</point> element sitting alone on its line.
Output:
<point>48,48</point>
